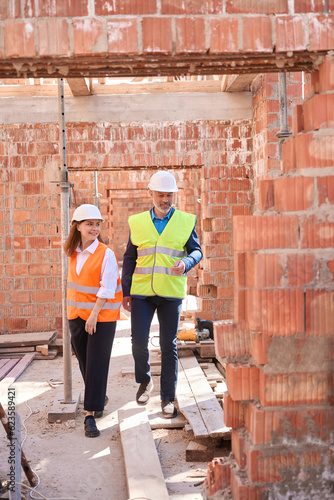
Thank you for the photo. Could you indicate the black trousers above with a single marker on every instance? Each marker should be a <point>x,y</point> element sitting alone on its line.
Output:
<point>93,353</point>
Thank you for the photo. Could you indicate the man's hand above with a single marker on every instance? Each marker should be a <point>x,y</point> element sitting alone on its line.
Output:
<point>126,302</point>
<point>179,267</point>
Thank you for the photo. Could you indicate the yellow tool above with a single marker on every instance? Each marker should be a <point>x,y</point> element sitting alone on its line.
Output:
<point>202,331</point>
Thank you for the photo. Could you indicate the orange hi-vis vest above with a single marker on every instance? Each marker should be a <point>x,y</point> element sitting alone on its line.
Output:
<point>82,289</point>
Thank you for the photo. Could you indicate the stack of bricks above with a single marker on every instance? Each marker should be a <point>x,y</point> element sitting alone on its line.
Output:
<point>279,349</point>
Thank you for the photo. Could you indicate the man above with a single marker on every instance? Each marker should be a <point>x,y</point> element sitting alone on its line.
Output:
<point>162,247</point>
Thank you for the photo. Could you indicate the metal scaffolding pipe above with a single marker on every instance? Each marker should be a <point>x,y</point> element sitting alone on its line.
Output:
<point>64,204</point>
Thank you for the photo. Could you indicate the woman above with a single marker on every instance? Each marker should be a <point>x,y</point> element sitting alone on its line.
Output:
<point>94,297</point>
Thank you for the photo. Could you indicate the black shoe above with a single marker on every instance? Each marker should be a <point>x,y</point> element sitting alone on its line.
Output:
<point>168,409</point>
<point>98,414</point>
<point>144,392</point>
<point>91,430</point>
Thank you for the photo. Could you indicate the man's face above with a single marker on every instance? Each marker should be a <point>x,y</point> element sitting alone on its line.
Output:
<point>162,201</point>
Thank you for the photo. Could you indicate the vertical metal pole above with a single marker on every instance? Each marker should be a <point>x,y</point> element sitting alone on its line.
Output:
<point>283,105</point>
<point>96,197</point>
<point>64,203</point>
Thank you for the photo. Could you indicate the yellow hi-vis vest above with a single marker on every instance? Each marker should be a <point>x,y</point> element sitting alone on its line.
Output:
<point>82,289</point>
<point>157,254</point>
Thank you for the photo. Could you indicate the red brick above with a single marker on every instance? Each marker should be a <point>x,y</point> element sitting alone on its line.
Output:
<point>40,269</point>
<point>290,34</point>
<point>325,189</point>
<point>20,297</point>
<point>218,475</point>
<point>157,35</point>
<point>234,412</point>
<point>190,35</point>
<point>301,269</point>
<point>267,426</point>
<point>241,488</point>
<point>191,7</point>
<point>10,9</point>
<point>257,34</point>
<point>319,312</point>
<point>321,29</point>
<point>16,324</point>
<point>242,382</point>
<point>292,389</point>
<point>230,339</point>
<point>49,8</point>
<point>259,347</point>
<point>330,265</point>
<point>110,7</point>
<point>260,232</point>
<point>257,6</point>
<point>319,112</point>
<point>264,270</point>
<point>122,36</point>
<point>90,37</point>
<point>293,193</point>
<point>53,37</point>
<point>275,312</point>
<point>325,73</point>
<point>266,194</point>
<point>309,6</point>
<point>224,35</point>
<point>317,232</point>
<point>19,39</point>
<point>297,119</point>
<point>238,448</point>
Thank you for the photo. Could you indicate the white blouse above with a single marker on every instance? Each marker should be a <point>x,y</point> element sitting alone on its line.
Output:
<point>109,270</point>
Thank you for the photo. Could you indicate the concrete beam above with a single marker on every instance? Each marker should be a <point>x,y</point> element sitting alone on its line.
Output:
<point>127,108</point>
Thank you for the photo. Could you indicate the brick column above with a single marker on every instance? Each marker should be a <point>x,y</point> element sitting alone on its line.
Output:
<point>279,348</point>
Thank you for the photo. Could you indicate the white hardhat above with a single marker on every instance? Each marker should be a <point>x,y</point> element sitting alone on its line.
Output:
<point>85,212</point>
<point>163,181</point>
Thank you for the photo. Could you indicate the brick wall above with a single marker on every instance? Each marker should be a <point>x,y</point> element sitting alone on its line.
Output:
<point>279,348</point>
<point>30,265</point>
<point>82,38</point>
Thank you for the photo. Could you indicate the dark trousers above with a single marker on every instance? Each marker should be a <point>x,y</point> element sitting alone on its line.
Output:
<point>93,353</point>
<point>168,311</point>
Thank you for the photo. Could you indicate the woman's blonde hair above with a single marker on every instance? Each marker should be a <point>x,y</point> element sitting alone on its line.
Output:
<point>74,238</point>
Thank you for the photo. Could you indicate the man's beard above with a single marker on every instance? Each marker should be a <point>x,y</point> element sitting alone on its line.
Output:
<point>163,207</point>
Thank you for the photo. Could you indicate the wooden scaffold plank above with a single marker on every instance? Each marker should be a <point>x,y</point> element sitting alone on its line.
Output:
<point>143,470</point>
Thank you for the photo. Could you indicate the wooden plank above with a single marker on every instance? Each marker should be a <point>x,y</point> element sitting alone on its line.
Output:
<point>157,421</point>
<point>7,367</point>
<point>197,452</point>
<point>4,350</point>
<point>78,86</point>
<point>212,373</point>
<point>43,349</point>
<point>27,339</point>
<point>129,370</point>
<point>239,83</point>
<point>14,374</point>
<point>188,406</point>
<point>142,466</point>
<point>208,406</point>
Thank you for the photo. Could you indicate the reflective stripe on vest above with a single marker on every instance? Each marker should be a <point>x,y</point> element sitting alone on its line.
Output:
<point>157,254</point>
<point>82,289</point>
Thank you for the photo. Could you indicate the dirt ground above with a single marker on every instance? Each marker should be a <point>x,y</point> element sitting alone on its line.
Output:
<point>71,466</point>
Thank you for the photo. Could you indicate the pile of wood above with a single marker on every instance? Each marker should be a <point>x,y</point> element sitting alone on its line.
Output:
<point>41,344</point>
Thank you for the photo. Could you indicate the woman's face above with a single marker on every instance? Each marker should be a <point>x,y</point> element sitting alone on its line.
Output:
<point>89,229</point>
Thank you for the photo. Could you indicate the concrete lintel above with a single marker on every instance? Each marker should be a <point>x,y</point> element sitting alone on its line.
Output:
<point>64,411</point>
<point>129,108</point>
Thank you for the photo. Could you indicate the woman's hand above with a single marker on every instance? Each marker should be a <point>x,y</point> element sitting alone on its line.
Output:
<point>90,326</point>
<point>126,302</point>
<point>179,267</point>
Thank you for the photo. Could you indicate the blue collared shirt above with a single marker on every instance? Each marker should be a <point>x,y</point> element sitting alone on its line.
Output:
<point>193,248</point>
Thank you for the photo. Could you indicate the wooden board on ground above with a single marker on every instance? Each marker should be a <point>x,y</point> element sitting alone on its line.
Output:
<point>206,402</point>
<point>7,367</point>
<point>27,339</point>
<point>130,370</point>
<point>197,452</point>
<point>14,374</point>
<point>142,466</point>
<point>4,350</point>
<point>188,406</point>
<point>220,389</point>
<point>157,421</point>
<point>212,373</point>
